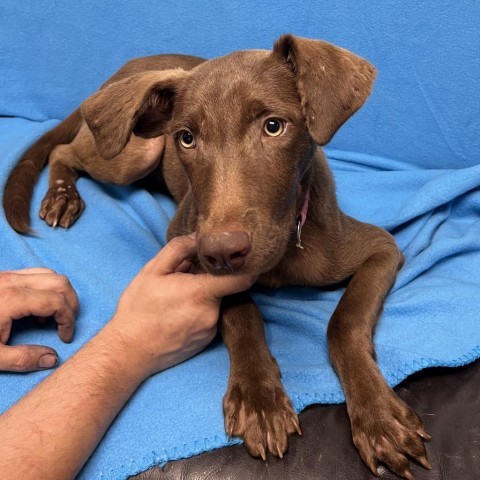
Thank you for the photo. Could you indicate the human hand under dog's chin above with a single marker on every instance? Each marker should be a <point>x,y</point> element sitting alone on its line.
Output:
<point>39,292</point>
<point>167,314</point>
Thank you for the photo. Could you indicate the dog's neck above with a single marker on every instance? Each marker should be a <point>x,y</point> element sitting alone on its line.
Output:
<point>302,218</point>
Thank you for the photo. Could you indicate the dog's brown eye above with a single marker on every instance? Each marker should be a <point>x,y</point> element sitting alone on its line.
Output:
<point>186,139</point>
<point>274,127</point>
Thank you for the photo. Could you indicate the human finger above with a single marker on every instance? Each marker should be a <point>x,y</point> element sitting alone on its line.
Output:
<point>22,302</point>
<point>184,267</point>
<point>172,255</point>
<point>27,358</point>
<point>30,270</point>
<point>219,286</point>
<point>43,281</point>
<point>5,328</point>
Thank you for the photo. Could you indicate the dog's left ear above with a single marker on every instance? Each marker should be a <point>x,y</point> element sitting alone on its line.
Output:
<point>141,104</point>
<point>332,82</point>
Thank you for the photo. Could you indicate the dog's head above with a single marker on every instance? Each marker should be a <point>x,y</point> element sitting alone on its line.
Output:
<point>246,127</point>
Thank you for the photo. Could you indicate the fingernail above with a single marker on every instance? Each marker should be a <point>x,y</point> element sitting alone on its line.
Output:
<point>48,361</point>
<point>192,235</point>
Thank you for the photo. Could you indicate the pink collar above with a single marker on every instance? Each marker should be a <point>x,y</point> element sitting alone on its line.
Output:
<point>302,219</point>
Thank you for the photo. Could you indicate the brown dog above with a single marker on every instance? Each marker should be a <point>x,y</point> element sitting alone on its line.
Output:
<point>236,141</point>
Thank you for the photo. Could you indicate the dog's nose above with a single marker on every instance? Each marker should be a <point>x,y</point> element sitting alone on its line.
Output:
<point>224,251</point>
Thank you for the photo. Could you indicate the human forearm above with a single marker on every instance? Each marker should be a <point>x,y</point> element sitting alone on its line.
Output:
<point>52,431</point>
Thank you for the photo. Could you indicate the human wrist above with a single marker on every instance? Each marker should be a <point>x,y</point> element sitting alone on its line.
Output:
<point>144,356</point>
<point>126,351</point>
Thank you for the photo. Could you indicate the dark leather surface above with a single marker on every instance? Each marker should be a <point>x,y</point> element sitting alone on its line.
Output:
<point>448,401</point>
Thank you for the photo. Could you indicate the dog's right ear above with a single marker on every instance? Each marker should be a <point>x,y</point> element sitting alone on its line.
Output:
<point>332,82</point>
<point>142,104</point>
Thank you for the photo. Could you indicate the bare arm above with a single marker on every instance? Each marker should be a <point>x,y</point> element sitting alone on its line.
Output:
<point>164,317</point>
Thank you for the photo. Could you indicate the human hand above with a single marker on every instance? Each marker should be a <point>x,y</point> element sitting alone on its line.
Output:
<point>166,314</point>
<point>40,292</point>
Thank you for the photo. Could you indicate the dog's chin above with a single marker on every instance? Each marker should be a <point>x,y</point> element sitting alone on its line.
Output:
<point>226,270</point>
<point>255,264</point>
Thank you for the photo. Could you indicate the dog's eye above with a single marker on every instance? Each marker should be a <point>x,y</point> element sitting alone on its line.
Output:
<point>274,127</point>
<point>186,139</point>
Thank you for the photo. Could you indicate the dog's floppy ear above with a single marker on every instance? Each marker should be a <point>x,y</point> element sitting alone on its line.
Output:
<point>141,104</point>
<point>332,82</point>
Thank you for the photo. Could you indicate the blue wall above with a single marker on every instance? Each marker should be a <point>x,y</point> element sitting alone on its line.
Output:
<point>425,108</point>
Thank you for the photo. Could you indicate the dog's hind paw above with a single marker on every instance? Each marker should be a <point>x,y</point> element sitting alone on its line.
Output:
<point>61,206</point>
<point>262,416</point>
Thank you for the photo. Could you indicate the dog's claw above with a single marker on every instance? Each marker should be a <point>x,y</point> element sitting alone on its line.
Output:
<point>261,449</point>
<point>370,461</point>
<point>280,454</point>
<point>423,434</point>
<point>230,425</point>
<point>424,462</point>
<point>231,428</point>
<point>257,449</point>
<point>408,474</point>
<point>297,426</point>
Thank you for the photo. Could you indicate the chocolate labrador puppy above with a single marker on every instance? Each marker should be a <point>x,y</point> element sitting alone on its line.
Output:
<point>237,142</point>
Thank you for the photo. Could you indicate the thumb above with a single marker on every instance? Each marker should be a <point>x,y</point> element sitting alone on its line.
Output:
<point>27,358</point>
<point>172,255</point>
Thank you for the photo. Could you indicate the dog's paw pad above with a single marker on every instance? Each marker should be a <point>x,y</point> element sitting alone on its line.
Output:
<point>262,416</point>
<point>61,206</point>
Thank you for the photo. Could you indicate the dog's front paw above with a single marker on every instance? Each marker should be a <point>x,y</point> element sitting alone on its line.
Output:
<point>261,415</point>
<point>389,431</point>
<point>62,205</point>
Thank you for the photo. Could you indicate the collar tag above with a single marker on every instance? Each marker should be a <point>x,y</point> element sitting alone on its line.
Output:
<point>299,235</point>
<point>302,220</point>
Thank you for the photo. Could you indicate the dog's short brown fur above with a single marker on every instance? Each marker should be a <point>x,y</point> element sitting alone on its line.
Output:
<point>201,127</point>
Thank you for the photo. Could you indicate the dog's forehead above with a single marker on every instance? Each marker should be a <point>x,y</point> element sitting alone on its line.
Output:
<point>255,68</point>
<point>232,85</point>
<point>245,64</point>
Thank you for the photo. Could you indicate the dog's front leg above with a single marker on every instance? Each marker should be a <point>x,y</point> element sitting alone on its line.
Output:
<point>255,405</point>
<point>384,428</point>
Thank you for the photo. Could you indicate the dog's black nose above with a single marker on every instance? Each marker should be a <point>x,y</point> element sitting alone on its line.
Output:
<point>224,251</point>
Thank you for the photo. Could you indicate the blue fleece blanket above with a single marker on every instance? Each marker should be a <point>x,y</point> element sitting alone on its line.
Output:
<point>430,318</point>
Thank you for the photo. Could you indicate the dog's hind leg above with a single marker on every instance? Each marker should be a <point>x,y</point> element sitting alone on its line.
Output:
<point>62,204</point>
<point>256,407</point>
